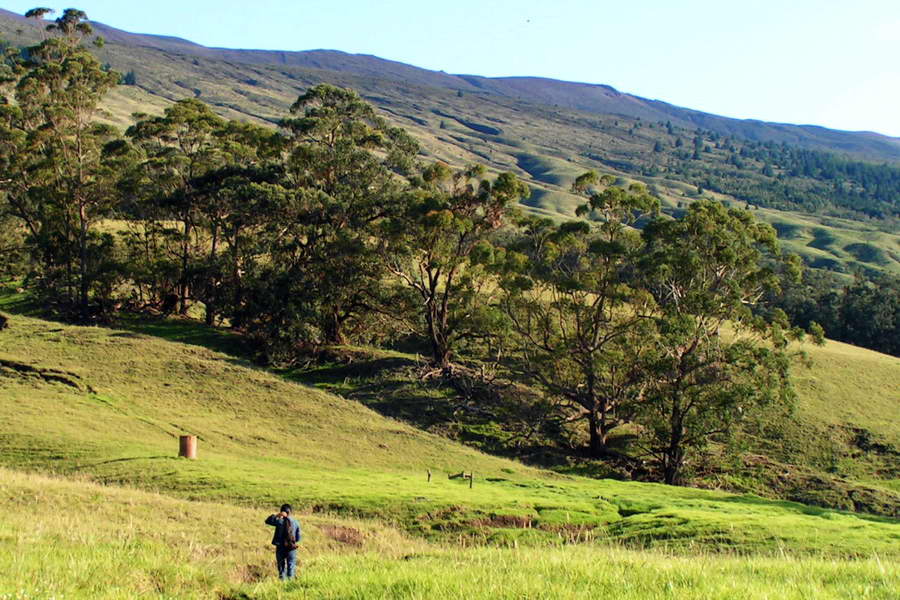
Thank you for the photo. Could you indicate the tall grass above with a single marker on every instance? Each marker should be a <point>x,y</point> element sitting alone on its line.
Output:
<point>79,540</point>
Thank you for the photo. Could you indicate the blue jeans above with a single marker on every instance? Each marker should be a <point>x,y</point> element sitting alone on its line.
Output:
<point>287,562</point>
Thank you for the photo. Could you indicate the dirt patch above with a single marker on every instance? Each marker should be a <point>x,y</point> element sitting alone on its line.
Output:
<point>252,573</point>
<point>345,535</point>
<point>505,521</point>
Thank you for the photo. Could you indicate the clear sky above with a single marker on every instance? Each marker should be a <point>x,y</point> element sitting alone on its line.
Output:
<point>825,62</point>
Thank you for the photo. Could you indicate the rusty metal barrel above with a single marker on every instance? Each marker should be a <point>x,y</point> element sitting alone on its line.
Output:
<point>187,446</point>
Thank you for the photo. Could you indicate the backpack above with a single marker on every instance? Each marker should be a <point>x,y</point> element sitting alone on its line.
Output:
<point>288,541</point>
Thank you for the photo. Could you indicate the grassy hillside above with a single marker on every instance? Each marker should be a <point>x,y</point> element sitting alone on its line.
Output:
<point>839,449</point>
<point>104,406</point>
<point>110,404</point>
<point>76,539</point>
<point>582,97</point>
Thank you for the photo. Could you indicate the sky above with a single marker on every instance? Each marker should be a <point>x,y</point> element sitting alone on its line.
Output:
<point>823,62</point>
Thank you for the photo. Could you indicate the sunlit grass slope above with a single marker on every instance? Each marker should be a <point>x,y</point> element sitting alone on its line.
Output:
<point>110,404</point>
<point>79,540</point>
<point>851,385</point>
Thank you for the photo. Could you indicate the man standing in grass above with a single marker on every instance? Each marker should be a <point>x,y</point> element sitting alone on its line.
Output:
<point>286,538</point>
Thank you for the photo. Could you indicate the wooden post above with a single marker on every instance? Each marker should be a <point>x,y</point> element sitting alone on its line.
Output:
<point>187,446</point>
<point>463,475</point>
<point>429,475</point>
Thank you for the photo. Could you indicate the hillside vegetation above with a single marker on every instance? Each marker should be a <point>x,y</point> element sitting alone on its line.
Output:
<point>110,404</point>
<point>549,132</point>
<point>106,406</point>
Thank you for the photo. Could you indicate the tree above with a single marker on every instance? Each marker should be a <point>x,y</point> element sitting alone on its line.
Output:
<point>57,178</point>
<point>714,361</point>
<point>178,148</point>
<point>234,205</point>
<point>439,247</point>
<point>579,325</point>
<point>350,161</point>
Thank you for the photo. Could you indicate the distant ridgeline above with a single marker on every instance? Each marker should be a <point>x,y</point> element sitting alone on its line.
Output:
<point>493,120</point>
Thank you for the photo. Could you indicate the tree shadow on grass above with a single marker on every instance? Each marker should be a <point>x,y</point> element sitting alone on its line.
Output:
<point>186,331</point>
<point>389,386</point>
<point>173,329</point>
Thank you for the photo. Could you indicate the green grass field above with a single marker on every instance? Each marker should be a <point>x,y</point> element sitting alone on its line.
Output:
<point>76,539</point>
<point>101,409</point>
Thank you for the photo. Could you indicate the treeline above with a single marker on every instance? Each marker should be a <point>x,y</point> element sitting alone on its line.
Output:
<point>864,313</point>
<point>329,229</point>
<point>778,175</point>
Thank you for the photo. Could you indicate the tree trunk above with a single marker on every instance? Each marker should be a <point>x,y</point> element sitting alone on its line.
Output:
<point>185,253</point>
<point>83,268</point>
<point>597,446</point>
<point>212,290</point>
<point>672,465</point>
<point>334,328</point>
<point>596,417</point>
<point>440,355</point>
<point>674,454</point>
<point>440,352</point>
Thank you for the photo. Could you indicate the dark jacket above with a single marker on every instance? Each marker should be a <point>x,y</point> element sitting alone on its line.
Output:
<point>281,531</point>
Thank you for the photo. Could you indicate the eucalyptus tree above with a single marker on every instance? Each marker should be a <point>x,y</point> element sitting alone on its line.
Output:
<point>578,323</point>
<point>440,247</point>
<point>347,166</point>
<point>177,148</point>
<point>233,204</point>
<point>55,175</point>
<point>713,361</point>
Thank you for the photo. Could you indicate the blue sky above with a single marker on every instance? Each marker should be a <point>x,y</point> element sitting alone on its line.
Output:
<point>825,62</point>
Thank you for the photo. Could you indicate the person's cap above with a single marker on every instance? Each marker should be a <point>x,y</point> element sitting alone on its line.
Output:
<point>286,508</point>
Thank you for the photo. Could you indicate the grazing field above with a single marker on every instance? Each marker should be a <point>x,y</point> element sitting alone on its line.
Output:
<point>110,405</point>
<point>76,539</point>
<point>100,410</point>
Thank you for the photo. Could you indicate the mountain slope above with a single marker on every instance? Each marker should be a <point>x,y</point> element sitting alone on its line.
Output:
<point>601,99</point>
<point>547,132</point>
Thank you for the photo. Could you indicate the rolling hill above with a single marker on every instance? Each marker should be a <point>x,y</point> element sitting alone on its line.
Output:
<point>584,97</point>
<point>548,132</point>
<point>90,405</point>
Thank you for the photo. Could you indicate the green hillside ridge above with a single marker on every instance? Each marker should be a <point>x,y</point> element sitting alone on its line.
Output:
<point>110,404</point>
<point>582,97</point>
